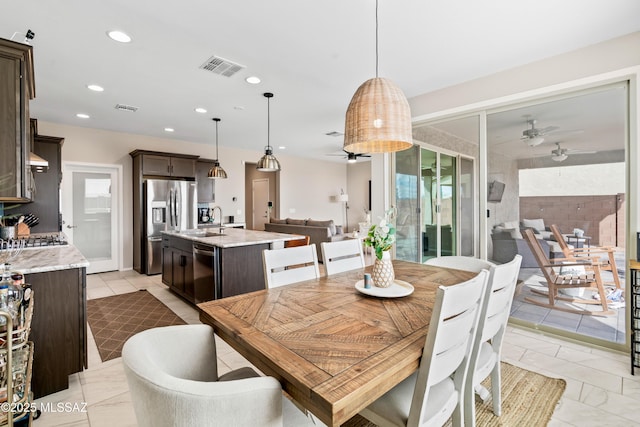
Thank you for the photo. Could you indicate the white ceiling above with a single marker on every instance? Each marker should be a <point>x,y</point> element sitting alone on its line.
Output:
<point>311,55</point>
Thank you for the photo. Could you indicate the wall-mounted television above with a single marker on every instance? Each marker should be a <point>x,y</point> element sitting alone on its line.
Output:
<point>496,188</point>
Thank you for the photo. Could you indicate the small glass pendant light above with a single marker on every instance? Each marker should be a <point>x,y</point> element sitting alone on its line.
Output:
<point>216,171</point>
<point>268,162</point>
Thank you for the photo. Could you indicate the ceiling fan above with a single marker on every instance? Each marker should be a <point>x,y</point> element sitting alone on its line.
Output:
<point>561,154</point>
<point>534,136</point>
<point>351,157</point>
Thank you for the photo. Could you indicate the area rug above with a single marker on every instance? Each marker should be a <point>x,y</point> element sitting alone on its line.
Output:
<point>114,319</point>
<point>528,399</point>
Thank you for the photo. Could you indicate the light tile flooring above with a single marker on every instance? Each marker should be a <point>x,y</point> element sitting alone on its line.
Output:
<point>609,328</point>
<point>600,389</point>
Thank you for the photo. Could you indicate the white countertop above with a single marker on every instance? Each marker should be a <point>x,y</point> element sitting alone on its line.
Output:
<point>49,258</point>
<point>233,237</point>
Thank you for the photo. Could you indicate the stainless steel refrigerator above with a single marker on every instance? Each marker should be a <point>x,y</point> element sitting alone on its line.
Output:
<point>168,205</point>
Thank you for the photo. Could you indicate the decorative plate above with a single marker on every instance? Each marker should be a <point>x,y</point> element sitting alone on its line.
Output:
<point>398,289</point>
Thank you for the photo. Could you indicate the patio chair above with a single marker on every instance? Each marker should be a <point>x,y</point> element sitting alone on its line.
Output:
<point>435,392</point>
<point>590,251</point>
<point>567,273</point>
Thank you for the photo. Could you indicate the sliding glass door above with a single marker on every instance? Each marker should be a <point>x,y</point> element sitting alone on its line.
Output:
<point>428,198</point>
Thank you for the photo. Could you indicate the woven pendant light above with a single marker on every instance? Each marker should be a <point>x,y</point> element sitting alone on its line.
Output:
<point>268,162</point>
<point>378,119</point>
<point>216,171</point>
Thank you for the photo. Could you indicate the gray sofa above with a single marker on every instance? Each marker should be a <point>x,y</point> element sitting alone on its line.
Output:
<point>507,241</point>
<point>318,231</point>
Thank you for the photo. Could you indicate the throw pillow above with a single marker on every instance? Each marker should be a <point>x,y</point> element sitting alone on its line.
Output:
<point>296,221</point>
<point>339,229</point>
<point>537,224</point>
<point>329,223</point>
<point>277,221</point>
<point>514,232</point>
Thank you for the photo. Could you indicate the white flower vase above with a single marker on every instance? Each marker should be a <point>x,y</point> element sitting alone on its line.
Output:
<point>382,274</point>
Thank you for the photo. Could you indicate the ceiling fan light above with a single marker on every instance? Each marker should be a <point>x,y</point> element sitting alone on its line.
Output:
<point>378,119</point>
<point>559,157</point>
<point>536,140</point>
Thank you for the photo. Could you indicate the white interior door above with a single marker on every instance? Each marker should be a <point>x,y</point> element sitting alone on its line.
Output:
<point>260,190</point>
<point>91,211</point>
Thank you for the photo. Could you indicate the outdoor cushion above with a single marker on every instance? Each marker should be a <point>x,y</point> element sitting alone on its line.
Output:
<point>536,224</point>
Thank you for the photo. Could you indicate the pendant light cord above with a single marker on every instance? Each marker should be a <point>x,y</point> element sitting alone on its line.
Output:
<point>216,140</point>
<point>268,124</point>
<point>376,38</point>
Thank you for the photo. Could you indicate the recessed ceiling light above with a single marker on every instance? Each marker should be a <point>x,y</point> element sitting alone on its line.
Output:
<point>282,147</point>
<point>119,36</point>
<point>200,110</point>
<point>253,80</point>
<point>238,107</point>
<point>95,88</point>
<point>169,129</point>
<point>82,116</point>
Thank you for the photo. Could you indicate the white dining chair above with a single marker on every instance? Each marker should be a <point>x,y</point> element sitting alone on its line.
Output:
<point>290,265</point>
<point>487,347</point>
<point>434,393</point>
<point>460,263</point>
<point>342,255</point>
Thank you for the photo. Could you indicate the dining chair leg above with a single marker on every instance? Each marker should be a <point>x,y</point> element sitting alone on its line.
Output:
<point>496,391</point>
<point>614,270</point>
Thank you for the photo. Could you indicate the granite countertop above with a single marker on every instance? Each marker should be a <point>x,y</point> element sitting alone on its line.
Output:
<point>233,237</point>
<point>50,258</point>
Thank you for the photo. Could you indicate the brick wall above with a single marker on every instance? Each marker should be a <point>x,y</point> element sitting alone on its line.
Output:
<point>601,217</point>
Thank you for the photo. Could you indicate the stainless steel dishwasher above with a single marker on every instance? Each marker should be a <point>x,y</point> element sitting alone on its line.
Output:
<point>206,275</point>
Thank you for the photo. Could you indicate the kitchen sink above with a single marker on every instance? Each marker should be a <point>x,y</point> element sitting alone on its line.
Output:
<point>214,234</point>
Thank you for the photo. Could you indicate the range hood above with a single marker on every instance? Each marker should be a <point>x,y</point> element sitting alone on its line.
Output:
<point>37,163</point>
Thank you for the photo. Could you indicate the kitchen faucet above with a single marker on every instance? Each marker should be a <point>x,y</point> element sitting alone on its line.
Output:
<point>213,215</point>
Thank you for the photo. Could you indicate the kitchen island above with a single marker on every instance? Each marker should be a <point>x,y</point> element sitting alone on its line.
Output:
<point>57,275</point>
<point>204,264</point>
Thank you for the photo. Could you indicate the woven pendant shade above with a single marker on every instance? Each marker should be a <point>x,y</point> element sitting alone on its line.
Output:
<point>378,119</point>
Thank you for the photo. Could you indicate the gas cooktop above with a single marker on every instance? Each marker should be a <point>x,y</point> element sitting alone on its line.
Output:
<point>35,241</point>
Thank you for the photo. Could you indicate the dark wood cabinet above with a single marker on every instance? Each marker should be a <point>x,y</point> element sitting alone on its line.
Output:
<point>17,87</point>
<point>206,185</point>
<point>241,269</point>
<point>168,165</point>
<point>58,328</point>
<point>177,266</point>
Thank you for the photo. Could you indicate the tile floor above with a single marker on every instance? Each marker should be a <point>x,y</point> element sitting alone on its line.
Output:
<point>610,328</point>
<point>600,389</point>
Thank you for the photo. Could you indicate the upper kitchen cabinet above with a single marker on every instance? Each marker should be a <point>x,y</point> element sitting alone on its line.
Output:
<point>17,87</point>
<point>206,185</point>
<point>166,164</point>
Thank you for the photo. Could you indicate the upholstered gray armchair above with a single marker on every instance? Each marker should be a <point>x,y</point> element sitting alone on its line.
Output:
<point>173,378</point>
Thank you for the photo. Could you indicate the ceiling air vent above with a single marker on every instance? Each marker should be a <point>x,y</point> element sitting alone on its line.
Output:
<point>123,107</point>
<point>221,66</point>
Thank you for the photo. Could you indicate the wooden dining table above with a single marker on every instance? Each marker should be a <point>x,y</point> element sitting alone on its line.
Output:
<point>334,349</point>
